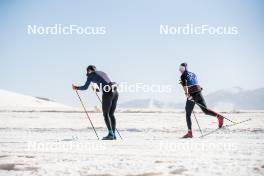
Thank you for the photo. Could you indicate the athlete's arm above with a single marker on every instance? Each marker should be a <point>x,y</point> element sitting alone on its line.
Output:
<point>86,85</point>
<point>184,86</point>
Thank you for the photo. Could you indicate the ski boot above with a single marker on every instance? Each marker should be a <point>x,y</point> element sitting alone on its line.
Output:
<point>188,134</point>
<point>110,136</point>
<point>220,120</point>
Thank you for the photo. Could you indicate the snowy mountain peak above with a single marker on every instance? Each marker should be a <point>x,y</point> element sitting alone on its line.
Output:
<point>10,101</point>
<point>233,90</point>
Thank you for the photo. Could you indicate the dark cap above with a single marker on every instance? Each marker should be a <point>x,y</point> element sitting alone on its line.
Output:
<point>184,64</point>
<point>91,67</point>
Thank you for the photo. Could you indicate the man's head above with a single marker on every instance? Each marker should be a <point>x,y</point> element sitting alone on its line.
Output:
<point>183,67</point>
<point>90,69</point>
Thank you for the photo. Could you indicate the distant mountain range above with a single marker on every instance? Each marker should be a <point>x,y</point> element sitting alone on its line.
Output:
<point>238,98</point>
<point>227,99</point>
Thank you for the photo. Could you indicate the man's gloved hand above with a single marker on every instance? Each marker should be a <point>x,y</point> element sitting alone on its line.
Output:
<point>180,82</point>
<point>95,88</point>
<point>190,98</point>
<point>74,87</point>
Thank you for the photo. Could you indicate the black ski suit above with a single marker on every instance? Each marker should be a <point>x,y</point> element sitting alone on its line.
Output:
<point>109,96</point>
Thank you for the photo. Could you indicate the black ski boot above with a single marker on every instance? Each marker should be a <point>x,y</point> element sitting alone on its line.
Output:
<point>109,137</point>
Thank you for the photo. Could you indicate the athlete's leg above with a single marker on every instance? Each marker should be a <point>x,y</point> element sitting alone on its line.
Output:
<point>189,108</point>
<point>112,111</point>
<point>106,106</point>
<point>202,104</point>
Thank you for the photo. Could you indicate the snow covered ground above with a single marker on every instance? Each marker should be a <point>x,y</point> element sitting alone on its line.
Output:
<point>57,144</point>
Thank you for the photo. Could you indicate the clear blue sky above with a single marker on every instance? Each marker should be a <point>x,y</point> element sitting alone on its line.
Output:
<point>133,50</point>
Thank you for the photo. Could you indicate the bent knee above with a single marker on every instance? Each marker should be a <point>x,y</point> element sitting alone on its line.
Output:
<point>106,115</point>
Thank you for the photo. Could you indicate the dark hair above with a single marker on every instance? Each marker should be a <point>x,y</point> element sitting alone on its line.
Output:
<point>91,67</point>
<point>184,64</point>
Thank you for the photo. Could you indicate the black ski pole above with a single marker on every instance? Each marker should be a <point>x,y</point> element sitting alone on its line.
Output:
<point>102,103</point>
<point>225,126</point>
<point>211,110</point>
<point>87,114</point>
<point>197,123</point>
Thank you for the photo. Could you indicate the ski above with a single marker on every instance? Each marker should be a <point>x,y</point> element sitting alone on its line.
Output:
<point>225,126</point>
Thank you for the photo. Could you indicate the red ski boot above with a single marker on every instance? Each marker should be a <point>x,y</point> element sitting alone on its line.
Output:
<point>220,121</point>
<point>188,135</point>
